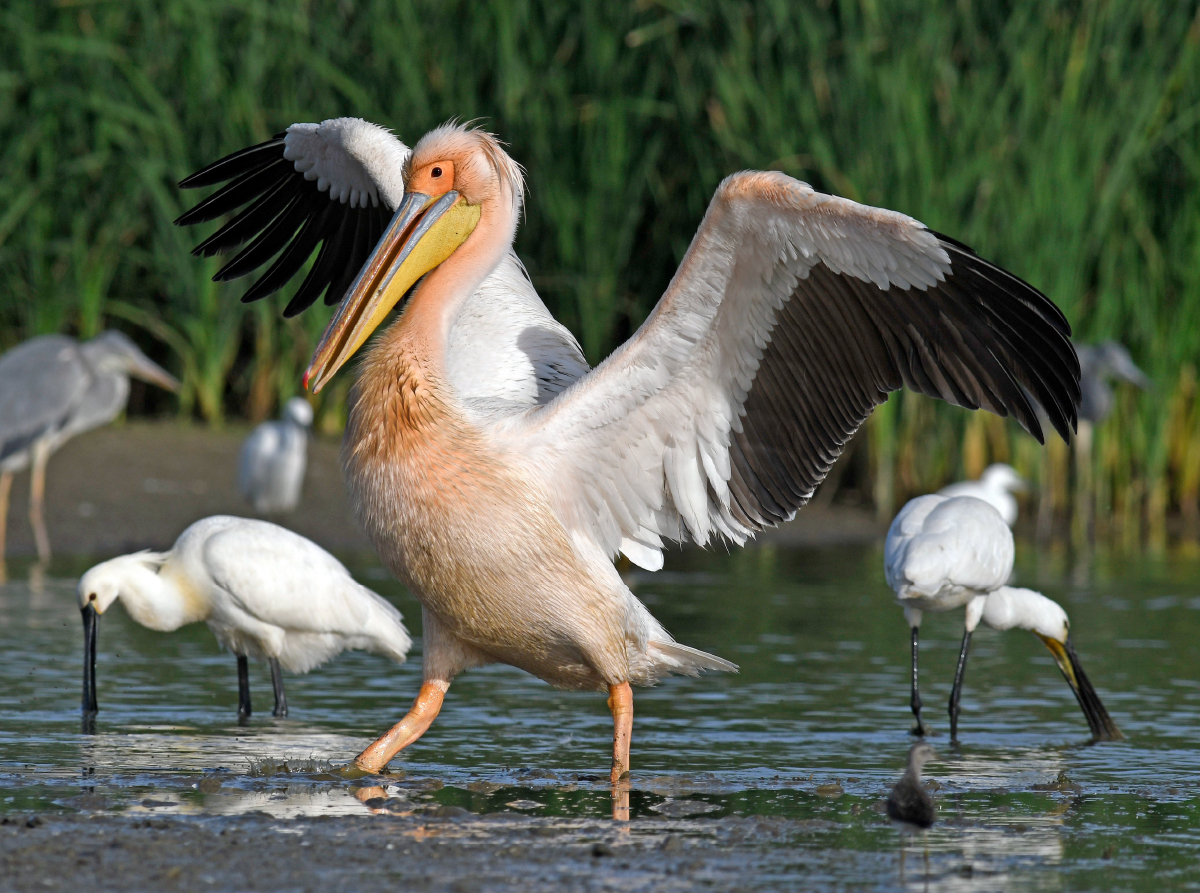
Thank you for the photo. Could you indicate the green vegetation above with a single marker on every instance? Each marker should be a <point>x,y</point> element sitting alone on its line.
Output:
<point>1061,139</point>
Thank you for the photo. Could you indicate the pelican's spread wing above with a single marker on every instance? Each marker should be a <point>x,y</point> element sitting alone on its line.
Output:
<point>791,317</point>
<point>333,184</point>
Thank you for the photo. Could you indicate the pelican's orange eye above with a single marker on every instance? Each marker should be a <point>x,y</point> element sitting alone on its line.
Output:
<point>436,172</point>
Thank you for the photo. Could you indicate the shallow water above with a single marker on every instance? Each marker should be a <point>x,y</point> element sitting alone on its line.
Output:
<point>808,737</point>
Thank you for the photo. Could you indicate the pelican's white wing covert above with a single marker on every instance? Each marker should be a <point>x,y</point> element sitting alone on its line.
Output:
<point>791,317</point>
<point>333,185</point>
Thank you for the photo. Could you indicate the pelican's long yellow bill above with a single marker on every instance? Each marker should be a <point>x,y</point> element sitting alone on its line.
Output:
<point>422,234</point>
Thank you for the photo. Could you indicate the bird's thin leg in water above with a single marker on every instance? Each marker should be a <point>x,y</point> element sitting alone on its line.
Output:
<point>37,497</point>
<point>956,691</point>
<point>5,487</point>
<point>919,728</point>
<point>424,710</point>
<point>277,683</point>
<point>243,664</point>
<point>620,702</point>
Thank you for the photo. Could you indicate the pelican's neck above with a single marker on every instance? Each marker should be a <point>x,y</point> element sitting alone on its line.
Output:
<point>159,600</point>
<point>439,298</point>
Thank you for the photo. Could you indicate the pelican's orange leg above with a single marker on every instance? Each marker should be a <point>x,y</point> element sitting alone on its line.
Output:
<point>424,711</point>
<point>620,702</point>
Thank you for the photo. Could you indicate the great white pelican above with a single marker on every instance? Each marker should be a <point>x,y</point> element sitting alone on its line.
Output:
<point>498,476</point>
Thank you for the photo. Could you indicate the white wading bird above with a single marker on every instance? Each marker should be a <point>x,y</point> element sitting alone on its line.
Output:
<point>996,487</point>
<point>52,388</point>
<point>944,553</point>
<point>273,458</point>
<point>498,476</point>
<point>264,591</point>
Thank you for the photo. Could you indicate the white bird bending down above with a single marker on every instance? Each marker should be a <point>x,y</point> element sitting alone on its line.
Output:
<point>996,487</point>
<point>272,461</point>
<point>264,591</point>
<point>500,500</point>
<point>52,388</point>
<point>944,553</point>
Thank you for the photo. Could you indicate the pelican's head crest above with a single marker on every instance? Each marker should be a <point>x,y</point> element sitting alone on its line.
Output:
<point>468,160</point>
<point>456,177</point>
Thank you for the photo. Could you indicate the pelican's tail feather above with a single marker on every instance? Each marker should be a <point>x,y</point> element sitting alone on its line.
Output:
<point>690,661</point>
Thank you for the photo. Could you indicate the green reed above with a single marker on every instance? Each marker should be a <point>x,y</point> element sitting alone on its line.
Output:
<point>1061,139</point>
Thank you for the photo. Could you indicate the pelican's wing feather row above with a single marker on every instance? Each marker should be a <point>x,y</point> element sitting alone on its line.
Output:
<point>791,317</point>
<point>332,185</point>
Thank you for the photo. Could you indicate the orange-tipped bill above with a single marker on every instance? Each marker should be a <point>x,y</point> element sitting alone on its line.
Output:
<point>1102,726</point>
<point>423,233</point>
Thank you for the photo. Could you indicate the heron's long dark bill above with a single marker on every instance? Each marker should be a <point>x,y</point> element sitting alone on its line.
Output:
<point>90,621</point>
<point>1102,726</point>
<point>423,233</point>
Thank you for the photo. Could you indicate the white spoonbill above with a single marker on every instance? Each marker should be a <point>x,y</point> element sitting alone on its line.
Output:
<point>944,553</point>
<point>264,591</point>
<point>996,487</point>
<point>498,476</point>
<point>273,459</point>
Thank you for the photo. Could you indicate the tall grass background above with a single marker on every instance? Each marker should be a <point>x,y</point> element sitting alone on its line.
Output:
<point>1061,139</point>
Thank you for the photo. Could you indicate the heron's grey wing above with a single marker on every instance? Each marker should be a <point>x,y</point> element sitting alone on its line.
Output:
<point>41,384</point>
<point>101,402</point>
<point>333,184</point>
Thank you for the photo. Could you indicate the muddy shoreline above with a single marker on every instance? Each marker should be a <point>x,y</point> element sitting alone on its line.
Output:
<point>449,852</point>
<point>138,485</point>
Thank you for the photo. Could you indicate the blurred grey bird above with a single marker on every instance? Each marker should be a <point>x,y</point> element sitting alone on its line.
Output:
<point>1098,365</point>
<point>51,388</point>
<point>909,803</point>
<point>273,459</point>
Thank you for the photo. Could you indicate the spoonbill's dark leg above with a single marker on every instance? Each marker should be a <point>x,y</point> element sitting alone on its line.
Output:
<point>277,682</point>
<point>90,621</point>
<point>956,691</point>
<point>919,728</point>
<point>243,688</point>
<point>37,498</point>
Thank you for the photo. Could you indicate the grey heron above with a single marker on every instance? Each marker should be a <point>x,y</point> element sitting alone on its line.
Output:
<point>264,591</point>
<point>51,388</point>
<point>273,458</point>
<point>1099,366</point>
<point>944,553</point>
<point>996,487</point>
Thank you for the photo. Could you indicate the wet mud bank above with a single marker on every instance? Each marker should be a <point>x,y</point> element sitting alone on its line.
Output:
<point>138,485</point>
<point>429,852</point>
